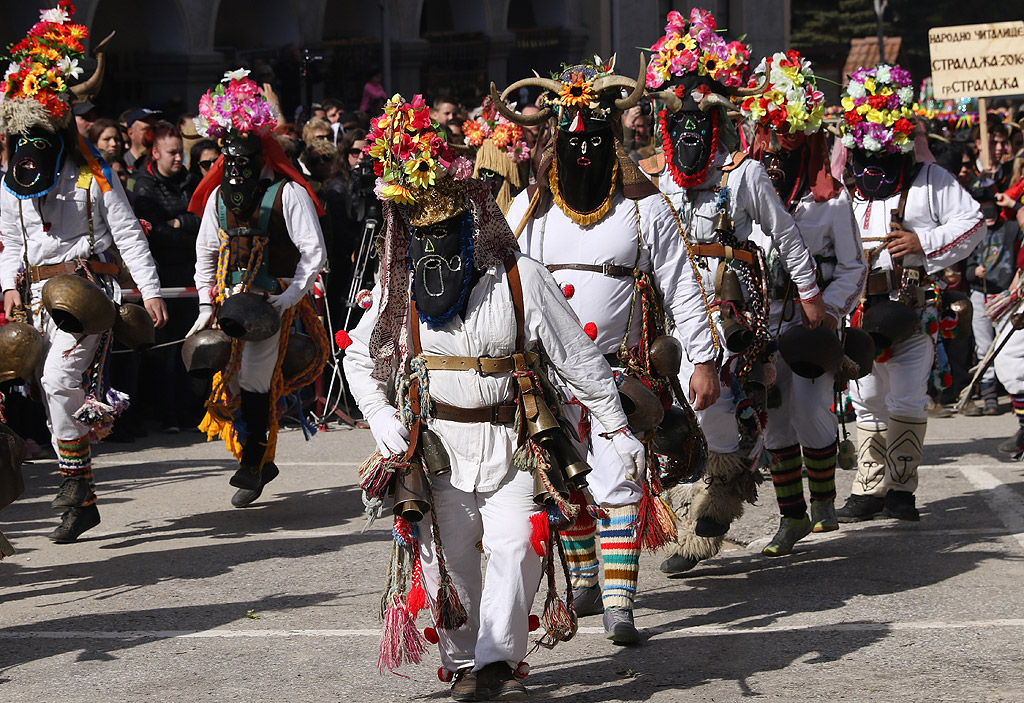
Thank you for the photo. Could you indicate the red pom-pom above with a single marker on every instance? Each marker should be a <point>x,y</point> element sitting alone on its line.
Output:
<point>568,290</point>
<point>539,532</point>
<point>444,675</point>
<point>947,380</point>
<point>534,623</point>
<point>522,671</point>
<point>590,329</point>
<point>430,635</point>
<point>342,339</point>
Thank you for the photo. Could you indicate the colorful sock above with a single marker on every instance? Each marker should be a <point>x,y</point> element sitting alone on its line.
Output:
<point>581,554</point>
<point>787,477</point>
<point>75,461</point>
<point>1018,407</point>
<point>620,548</point>
<point>821,471</point>
<point>989,392</point>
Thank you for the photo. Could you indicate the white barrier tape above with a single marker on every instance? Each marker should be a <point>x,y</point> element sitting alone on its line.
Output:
<point>189,292</point>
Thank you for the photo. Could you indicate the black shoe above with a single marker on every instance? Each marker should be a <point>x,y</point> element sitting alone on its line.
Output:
<point>901,505</point>
<point>72,493</point>
<point>677,564</point>
<point>74,522</point>
<point>245,496</point>
<point>497,682</point>
<point>859,508</point>
<point>706,527</point>
<point>1015,444</point>
<point>247,477</point>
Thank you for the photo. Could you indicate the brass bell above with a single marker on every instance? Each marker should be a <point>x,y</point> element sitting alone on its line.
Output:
<point>727,285</point>
<point>541,495</point>
<point>133,327</point>
<point>666,356</point>
<point>248,316</point>
<point>754,385</point>
<point>540,422</point>
<point>738,338</point>
<point>435,456</point>
<point>206,352</point>
<point>860,348</point>
<point>21,350</point>
<point>723,226</point>
<point>411,493</point>
<point>77,305</point>
<point>300,354</point>
<point>890,322</point>
<point>643,408</point>
<point>566,454</point>
<point>811,353</point>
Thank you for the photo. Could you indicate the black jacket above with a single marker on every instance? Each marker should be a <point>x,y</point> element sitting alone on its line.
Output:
<point>160,200</point>
<point>997,252</point>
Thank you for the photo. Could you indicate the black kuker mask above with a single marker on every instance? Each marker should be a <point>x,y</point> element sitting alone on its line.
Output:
<point>240,182</point>
<point>34,160</point>
<point>692,135</point>
<point>585,164</point>
<point>786,171</point>
<point>442,268</point>
<point>878,176</point>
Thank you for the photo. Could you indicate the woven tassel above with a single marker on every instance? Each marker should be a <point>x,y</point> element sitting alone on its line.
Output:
<point>417,598</point>
<point>540,533</point>
<point>584,520</point>
<point>400,642</point>
<point>449,613</point>
<point>655,522</point>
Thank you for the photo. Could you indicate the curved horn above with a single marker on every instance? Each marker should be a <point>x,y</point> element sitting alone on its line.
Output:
<point>714,99</point>
<point>747,92</point>
<point>514,115</point>
<point>90,88</point>
<point>633,98</point>
<point>669,98</point>
<point>545,83</point>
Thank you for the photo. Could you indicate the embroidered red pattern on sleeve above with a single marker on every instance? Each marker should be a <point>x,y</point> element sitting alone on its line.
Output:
<point>955,242</point>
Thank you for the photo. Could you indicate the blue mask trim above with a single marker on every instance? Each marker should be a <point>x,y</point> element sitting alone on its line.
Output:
<point>468,278</point>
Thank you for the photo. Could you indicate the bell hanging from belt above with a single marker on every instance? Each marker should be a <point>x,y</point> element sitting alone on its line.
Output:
<point>541,494</point>
<point>666,356</point>
<point>565,453</point>
<point>727,285</point>
<point>77,305</point>
<point>411,493</point>
<point>738,338</point>
<point>723,227</point>
<point>542,422</point>
<point>435,456</point>
<point>754,384</point>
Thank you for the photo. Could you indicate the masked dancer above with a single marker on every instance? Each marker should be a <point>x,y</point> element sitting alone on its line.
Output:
<point>63,210</point>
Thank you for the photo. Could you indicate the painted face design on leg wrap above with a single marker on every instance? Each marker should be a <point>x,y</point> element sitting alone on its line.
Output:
<point>441,255</point>
<point>877,177</point>
<point>585,166</point>
<point>34,159</point>
<point>241,180</point>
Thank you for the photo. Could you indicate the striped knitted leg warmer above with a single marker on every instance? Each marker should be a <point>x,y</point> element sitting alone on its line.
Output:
<point>581,554</point>
<point>74,459</point>
<point>1018,407</point>
<point>788,481</point>
<point>620,549</point>
<point>821,471</point>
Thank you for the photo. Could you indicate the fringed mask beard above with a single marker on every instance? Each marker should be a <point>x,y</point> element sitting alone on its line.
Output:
<point>441,258</point>
<point>586,161</point>
<point>34,158</point>
<point>786,171</point>
<point>691,136</point>
<point>877,176</point>
<point>240,183</point>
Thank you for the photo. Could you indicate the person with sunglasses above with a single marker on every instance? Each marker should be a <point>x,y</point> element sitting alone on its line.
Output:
<point>202,156</point>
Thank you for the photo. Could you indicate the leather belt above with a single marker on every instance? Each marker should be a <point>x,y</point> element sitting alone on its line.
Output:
<point>881,282</point>
<point>100,268</point>
<point>504,414</point>
<point>612,270</point>
<point>482,364</point>
<point>720,251</point>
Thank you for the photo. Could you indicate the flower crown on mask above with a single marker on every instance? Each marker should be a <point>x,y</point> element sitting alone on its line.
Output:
<point>35,90</point>
<point>878,106</point>
<point>694,46</point>
<point>791,101</point>
<point>585,92</point>
<point>507,136</point>
<point>235,107</point>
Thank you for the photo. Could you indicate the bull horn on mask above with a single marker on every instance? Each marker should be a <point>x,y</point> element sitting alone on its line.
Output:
<point>672,102</point>
<point>636,87</point>
<point>91,88</point>
<point>742,92</point>
<point>715,100</point>
<point>516,116</point>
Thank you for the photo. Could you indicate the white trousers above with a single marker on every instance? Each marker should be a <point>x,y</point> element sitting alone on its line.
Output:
<point>1009,364</point>
<point>498,608</point>
<point>66,359</point>
<point>984,332</point>
<point>898,386</point>
<point>258,361</point>
<point>718,421</point>
<point>805,416</point>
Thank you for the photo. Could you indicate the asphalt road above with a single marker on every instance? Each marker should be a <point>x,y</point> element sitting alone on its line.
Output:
<point>176,596</point>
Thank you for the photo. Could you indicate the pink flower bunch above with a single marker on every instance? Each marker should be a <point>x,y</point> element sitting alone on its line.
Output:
<point>689,46</point>
<point>236,105</point>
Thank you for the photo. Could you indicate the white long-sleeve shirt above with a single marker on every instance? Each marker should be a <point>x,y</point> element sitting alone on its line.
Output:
<point>829,231</point>
<point>752,199</point>
<point>481,453</point>
<point>553,238</point>
<point>303,229</point>
<point>56,228</point>
<point>945,217</point>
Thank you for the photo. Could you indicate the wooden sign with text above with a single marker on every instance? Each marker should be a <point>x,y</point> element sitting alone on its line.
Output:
<point>977,60</point>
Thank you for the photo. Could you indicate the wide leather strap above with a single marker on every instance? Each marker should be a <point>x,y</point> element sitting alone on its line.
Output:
<point>612,270</point>
<point>884,281</point>
<point>481,364</point>
<point>504,414</point>
<point>720,251</point>
<point>99,268</point>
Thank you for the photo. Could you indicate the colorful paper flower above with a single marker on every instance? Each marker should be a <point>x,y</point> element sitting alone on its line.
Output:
<point>235,106</point>
<point>694,45</point>
<point>791,101</point>
<point>878,110</point>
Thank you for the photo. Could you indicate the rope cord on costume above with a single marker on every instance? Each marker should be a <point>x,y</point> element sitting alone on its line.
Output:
<point>685,235</point>
<point>449,613</point>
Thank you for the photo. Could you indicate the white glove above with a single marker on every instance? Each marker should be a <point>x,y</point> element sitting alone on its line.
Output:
<point>391,435</point>
<point>203,321</point>
<point>632,453</point>
<point>288,299</point>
